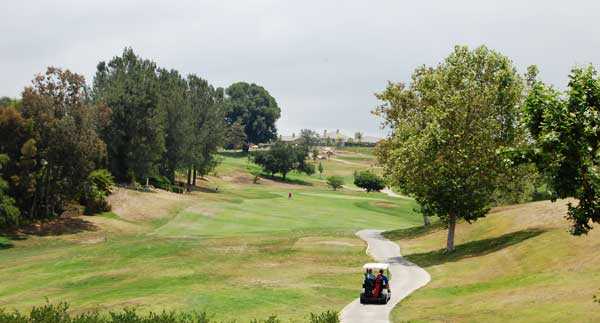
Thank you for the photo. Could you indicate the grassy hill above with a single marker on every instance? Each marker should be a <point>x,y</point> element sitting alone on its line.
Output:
<point>244,251</point>
<point>518,264</point>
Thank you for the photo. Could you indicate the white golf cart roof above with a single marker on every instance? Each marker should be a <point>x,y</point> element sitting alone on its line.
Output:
<point>376,265</point>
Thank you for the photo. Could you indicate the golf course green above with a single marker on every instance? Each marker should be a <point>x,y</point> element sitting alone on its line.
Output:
<point>234,248</point>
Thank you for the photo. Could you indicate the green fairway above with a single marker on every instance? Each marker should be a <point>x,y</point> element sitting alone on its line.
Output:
<point>245,252</point>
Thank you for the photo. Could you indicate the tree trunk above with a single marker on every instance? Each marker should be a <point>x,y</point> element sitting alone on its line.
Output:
<point>451,229</point>
<point>194,177</point>
<point>426,221</point>
<point>189,177</point>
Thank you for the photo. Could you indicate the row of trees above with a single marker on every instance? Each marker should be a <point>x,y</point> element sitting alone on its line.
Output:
<point>137,120</point>
<point>471,129</point>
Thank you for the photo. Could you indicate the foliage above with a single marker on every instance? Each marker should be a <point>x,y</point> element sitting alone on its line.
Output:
<point>369,181</point>
<point>135,135</point>
<point>325,317</point>
<point>282,158</point>
<point>9,212</point>
<point>98,186</point>
<point>66,145</point>
<point>59,313</point>
<point>208,117</point>
<point>161,182</point>
<point>566,142</point>
<point>257,110</point>
<point>447,126</point>
<point>309,139</point>
<point>321,169</point>
<point>173,100</point>
<point>335,182</point>
<point>236,137</point>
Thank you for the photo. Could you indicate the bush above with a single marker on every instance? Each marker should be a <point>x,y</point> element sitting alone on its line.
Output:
<point>96,188</point>
<point>335,182</point>
<point>161,182</point>
<point>369,181</point>
<point>325,317</point>
<point>59,313</point>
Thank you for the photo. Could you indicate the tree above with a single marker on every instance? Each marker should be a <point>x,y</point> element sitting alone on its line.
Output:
<point>282,158</point>
<point>236,137</point>
<point>173,100</point>
<point>321,169</point>
<point>129,85</point>
<point>447,126</point>
<point>358,137</point>
<point>369,181</point>
<point>209,130</point>
<point>566,142</point>
<point>67,146</point>
<point>309,139</point>
<point>335,182</point>
<point>257,110</point>
<point>9,212</point>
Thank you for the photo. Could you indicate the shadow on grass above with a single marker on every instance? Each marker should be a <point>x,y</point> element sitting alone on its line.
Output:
<point>473,248</point>
<point>287,180</point>
<point>413,232</point>
<point>56,227</point>
<point>5,244</point>
<point>234,153</point>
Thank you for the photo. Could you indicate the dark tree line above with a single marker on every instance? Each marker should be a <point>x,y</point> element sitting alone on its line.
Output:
<point>138,121</point>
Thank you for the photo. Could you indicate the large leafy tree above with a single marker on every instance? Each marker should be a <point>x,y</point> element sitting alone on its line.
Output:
<point>565,128</point>
<point>135,136</point>
<point>257,110</point>
<point>283,158</point>
<point>447,126</point>
<point>66,147</point>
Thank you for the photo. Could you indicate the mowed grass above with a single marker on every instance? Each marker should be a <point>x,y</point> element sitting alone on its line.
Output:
<point>519,264</point>
<point>246,251</point>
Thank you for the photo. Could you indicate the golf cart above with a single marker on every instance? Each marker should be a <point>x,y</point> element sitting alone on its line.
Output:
<point>374,292</point>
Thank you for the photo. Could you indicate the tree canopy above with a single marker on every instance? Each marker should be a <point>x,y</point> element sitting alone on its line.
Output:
<point>564,128</point>
<point>447,125</point>
<point>282,158</point>
<point>369,181</point>
<point>255,108</point>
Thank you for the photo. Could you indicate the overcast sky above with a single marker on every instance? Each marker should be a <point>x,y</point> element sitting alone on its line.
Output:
<point>322,60</point>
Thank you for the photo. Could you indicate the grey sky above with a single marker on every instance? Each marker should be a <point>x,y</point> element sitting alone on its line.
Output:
<point>321,60</point>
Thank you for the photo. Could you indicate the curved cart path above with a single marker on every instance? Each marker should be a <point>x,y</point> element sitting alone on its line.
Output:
<point>406,277</point>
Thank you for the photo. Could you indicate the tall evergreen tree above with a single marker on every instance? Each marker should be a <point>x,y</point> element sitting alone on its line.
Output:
<point>129,85</point>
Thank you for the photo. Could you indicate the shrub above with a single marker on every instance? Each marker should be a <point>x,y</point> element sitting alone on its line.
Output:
<point>96,188</point>
<point>335,182</point>
<point>369,181</point>
<point>161,182</point>
<point>325,317</point>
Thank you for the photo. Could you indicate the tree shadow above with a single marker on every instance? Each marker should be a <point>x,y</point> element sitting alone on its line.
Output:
<point>5,244</point>
<point>57,227</point>
<point>287,180</point>
<point>473,248</point>
<point>414,232</point>
<point>234,153</point>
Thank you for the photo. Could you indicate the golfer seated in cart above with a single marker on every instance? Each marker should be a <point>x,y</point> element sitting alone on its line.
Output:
<point>376,289</point>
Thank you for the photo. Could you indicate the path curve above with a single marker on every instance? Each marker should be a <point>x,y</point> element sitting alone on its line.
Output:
<point>406,277</point>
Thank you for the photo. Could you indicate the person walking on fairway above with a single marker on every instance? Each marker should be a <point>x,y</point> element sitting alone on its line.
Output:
<point>289,195</point>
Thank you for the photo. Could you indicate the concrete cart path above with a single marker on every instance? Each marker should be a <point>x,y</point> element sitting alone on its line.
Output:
<point>406,277</point>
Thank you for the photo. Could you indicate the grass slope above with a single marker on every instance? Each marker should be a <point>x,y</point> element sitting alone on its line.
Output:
<point>519,264</point>
<point>245,252</point>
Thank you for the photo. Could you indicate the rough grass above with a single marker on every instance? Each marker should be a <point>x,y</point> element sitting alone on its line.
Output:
<point>518,264</point>
<point>245,252</point>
